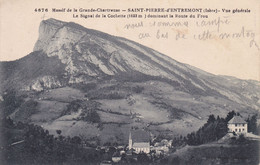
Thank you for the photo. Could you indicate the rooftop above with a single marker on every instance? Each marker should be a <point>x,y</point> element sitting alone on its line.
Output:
<point>140,136</point>
<point>141,145</point>
<point>237,120</point>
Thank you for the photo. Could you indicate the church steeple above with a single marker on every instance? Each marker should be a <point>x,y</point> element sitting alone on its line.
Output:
<point>130,145</point>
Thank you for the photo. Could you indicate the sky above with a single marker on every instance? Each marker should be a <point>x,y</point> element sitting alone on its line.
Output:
<point>237,56</point>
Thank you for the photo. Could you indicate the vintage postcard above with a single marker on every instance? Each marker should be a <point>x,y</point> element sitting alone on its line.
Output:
<point>129,82</point>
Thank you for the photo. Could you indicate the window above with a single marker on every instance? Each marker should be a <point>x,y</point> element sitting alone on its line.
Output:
<point>243,129</point>
<point>236,130</point>
<point>239,130</point>
<point>235,125</point>
<point>243,125</point>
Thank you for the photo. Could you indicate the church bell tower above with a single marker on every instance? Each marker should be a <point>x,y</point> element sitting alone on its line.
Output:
<point>130,145</point>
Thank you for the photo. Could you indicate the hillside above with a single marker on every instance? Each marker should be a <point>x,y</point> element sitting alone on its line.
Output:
<point>75,73</point>
<point>229,152</point>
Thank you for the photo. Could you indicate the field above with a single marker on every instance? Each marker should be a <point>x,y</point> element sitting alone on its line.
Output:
<point>218,153</point>
<point>151,105</point>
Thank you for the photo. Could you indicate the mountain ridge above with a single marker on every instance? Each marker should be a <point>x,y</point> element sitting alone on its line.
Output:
<point>126,83</point>
<point>107,68</point>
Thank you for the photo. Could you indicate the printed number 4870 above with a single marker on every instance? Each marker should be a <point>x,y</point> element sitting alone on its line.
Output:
<point>41,10</point>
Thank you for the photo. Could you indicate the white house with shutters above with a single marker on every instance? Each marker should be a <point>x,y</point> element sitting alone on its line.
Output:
<point>238,125</point>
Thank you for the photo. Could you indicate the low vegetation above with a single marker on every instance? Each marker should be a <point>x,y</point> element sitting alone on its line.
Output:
<point>11,101</point>
<point>245,153</point>
<point>85,87</point>
<point>88,110</point>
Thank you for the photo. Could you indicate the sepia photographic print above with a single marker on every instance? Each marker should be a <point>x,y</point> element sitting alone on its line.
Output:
<point>129,82</point>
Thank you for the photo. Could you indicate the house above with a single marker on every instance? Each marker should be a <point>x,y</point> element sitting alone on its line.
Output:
<point>106,162</point>
<point>139,141</point>
<point>162,147</point>
<point>237,125</point>
<point>116,157</point>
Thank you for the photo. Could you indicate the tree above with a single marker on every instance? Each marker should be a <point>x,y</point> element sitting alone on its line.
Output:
<point>142,158</point>
<point>8,122</point>
<point>58,132</point>
<point>230,115</point>
<point>11,101</point>
<point>211,119</point>
<point>92,116</point>
<point>213,130</point>
<point>72,107</point>
<point>76,140</point>
<point>38,147</point>
<point>252,124</point>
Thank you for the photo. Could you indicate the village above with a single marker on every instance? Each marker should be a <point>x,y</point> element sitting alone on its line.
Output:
<point>233,132</point>
<point>141,148</point>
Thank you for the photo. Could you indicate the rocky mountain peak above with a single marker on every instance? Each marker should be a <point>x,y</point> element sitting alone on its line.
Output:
<point>47,29</point>
<point>90,53</point>
<point>87,54</point>
<point>115,76</point>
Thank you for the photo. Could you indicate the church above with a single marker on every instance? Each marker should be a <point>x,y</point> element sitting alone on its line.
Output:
<point>139,141</point>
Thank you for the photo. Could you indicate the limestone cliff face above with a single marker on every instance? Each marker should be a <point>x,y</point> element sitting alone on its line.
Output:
<point>45,82</point>
<point>73,45</point>
<point>47,30</point>
<point>86,52</point>
<point>89,53</point>
<point>67,53</point>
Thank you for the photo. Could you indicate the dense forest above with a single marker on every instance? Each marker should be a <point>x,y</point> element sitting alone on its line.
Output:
<point>213,130</point>
<point>31,144</point>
